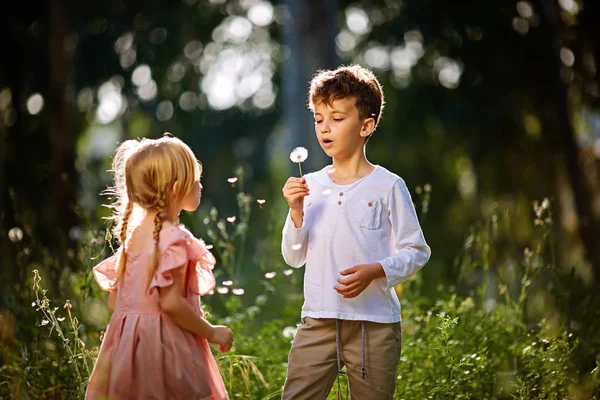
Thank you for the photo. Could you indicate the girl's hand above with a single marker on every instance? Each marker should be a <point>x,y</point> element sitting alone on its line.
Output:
<point>222,336</point>
<point>294,191</point>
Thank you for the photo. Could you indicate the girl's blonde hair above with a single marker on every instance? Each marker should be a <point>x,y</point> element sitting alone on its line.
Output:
<point>145,172</point>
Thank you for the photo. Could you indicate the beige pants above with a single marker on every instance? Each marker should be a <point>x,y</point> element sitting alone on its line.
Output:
<point>313,365</point>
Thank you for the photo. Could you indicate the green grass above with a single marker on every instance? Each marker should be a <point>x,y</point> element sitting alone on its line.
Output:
<point>488,336</point>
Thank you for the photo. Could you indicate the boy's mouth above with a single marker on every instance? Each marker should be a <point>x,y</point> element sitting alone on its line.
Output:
<point>327,143</point>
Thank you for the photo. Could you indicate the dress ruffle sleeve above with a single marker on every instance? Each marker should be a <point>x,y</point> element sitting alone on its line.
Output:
<point>105,273</point>
<point>181,249</point>
<point>203,281</point>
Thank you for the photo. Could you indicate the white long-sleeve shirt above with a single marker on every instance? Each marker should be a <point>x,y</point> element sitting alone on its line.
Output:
<point>371,220</point>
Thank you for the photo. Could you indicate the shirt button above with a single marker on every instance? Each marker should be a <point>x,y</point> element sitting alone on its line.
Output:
<point>339,203</point>
<point>370,204</point>
<point>341,193</point>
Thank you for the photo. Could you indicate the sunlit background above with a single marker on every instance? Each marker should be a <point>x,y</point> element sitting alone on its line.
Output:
<point>492,118</point>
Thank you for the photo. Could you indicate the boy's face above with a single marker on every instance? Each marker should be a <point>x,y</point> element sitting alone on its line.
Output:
<point>340,130</point>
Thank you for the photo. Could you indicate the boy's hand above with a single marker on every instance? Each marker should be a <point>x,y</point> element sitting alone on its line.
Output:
<point>294,191</point>
<point>222,336</point>
<point>360,276</point>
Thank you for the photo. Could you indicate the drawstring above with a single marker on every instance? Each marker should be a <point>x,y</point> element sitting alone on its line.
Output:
<point>364,371</point>
<point>337,349</point>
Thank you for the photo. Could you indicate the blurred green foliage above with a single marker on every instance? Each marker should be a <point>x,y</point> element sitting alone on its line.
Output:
<point>490,106</point>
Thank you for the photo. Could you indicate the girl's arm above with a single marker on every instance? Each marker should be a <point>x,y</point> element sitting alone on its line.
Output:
<point>112,299</point>
<point>174,304</point>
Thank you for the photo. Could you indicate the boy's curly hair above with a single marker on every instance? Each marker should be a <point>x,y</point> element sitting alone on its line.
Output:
<point>348,81</point>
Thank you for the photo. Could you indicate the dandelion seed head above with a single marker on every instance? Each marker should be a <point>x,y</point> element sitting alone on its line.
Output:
<point>238,291</point>
<point>299,154</point>
<point>261,201</point>
<point>222,290</point>
<point>270,275</point>
<point>232,180</point>
<point>227,283</point>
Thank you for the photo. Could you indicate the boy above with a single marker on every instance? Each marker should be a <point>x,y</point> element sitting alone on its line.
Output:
<point>358,233</point>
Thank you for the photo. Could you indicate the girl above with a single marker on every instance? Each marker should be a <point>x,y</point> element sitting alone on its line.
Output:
<point>156,344</point>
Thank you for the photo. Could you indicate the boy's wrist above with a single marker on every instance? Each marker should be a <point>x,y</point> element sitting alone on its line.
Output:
<point>377,270</point>
<point>297,217</point>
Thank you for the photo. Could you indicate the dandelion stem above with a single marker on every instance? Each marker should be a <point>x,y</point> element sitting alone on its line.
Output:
<point>300,167</point>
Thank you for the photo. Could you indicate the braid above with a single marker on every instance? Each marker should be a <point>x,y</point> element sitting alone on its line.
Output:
<point>122,257</point>
<point>158,222</point>
<point>125,223</point>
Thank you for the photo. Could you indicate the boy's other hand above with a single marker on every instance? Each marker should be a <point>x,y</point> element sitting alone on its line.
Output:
<point>223,336</point>
<point>359,278</point>
<point>294,191</point>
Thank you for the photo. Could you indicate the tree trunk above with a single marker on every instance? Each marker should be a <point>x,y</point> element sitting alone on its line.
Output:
<point>62,143</point>
<point>309,34</point>
<point>562,139</point>
<point>589,20</point>
<point>12,76</point>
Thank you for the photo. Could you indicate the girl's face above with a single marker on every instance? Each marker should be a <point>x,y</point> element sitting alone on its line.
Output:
<point>191,200</point>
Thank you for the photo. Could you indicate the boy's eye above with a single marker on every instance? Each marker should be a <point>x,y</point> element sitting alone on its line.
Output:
<point>338,119</point>
<point>318,121</point>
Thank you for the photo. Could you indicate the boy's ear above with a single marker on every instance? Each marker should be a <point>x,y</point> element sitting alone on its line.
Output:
<point>368,127</point>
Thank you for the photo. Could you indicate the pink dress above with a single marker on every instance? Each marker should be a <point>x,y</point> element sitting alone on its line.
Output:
<point>145,355</point>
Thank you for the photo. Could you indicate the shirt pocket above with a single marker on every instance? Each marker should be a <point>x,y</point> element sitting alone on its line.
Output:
<point>368,213</point>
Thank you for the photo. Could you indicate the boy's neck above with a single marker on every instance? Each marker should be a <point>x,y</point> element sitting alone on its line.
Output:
<point>347,171</point>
